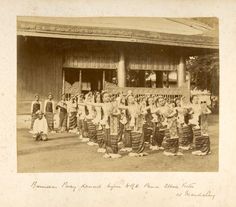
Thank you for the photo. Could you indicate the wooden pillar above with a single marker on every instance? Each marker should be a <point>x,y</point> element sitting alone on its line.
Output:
<point>103,79</point>
<point>167,79</point>
<point>80,80</point>
<point>99,83</point>
<point>181,71</point>
<point>189,80</point>
<point>159,79</point>
<point>63,81</point>
<point>121,71</point>
<point>142,78</point>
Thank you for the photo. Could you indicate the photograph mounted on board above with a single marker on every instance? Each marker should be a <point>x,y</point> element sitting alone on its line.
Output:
<point>117,94</point>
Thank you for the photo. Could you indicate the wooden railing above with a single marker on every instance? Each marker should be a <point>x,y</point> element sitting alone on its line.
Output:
<point>169,93</point>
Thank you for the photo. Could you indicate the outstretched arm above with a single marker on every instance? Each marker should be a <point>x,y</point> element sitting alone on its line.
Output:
<point>93,104</point>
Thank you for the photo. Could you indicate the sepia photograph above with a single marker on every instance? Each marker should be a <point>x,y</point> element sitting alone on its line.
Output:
<point>117,94</point>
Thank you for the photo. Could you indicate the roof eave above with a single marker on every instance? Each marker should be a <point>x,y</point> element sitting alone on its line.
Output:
<point>110,34</point>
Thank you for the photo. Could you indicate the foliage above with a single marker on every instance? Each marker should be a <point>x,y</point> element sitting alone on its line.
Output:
<point>204,72</point>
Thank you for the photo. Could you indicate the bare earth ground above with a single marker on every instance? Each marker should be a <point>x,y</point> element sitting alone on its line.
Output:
<point>65,153</point>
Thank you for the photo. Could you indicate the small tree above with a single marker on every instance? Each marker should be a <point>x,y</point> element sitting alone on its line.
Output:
<point>204,72</point>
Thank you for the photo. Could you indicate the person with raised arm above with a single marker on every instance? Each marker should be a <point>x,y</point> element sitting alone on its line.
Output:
<point>202,142</point>
<point>184,129</point>
<point>171,140</point>
<point>161,111</point>
<point>88,126</point>
<point>106,141</point>
<point>153,119</point>
<point>137,137</point>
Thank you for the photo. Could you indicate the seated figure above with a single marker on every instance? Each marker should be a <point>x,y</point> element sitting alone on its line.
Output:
<point>40,128</point>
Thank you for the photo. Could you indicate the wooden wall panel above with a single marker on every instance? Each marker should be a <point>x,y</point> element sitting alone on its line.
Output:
<point>39,70</point>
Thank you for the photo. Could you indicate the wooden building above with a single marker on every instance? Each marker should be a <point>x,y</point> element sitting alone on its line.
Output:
<point>70,55</point>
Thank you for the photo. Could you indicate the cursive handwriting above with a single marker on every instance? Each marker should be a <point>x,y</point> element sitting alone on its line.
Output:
<point>186,189</point>
<point>35,185</point>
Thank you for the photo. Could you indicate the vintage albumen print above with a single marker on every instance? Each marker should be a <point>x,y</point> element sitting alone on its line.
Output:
<point>117,94</point>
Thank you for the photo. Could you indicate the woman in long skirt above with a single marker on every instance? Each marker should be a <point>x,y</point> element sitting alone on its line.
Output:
<point>35,107</point>
<point>49,107</point>
<point>137,136</point>
<point>202,139</point>
<point>62,107</point>
<point>72,112</point>
<point>80,116</point>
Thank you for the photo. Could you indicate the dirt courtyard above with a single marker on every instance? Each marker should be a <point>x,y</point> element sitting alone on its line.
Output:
<point>66,153</point>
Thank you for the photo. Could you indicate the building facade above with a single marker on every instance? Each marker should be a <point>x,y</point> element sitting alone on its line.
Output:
<point>74,55</point>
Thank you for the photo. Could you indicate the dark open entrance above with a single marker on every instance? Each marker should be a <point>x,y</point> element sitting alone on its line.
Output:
<point>82,80</point>
<point>92,80</point>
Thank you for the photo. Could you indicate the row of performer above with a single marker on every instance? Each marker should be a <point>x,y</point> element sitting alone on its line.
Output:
<point>127,123</point>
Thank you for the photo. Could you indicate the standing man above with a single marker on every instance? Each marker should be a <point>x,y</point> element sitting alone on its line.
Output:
<point>36,105</point>
<point>49,112</point>
<point>62,106</point>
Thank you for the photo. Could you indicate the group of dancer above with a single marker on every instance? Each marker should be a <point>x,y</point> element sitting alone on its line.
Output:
<point>126,123</point>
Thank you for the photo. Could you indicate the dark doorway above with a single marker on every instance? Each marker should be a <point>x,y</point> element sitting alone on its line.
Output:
<point>91,80</point>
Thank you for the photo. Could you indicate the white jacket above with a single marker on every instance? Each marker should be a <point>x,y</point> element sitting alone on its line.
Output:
<point>40,125</point>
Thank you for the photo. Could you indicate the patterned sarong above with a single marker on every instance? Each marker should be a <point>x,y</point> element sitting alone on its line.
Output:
<point>113,142</point>
<point>185,136</point>
<point>92,134</point>
<point>196,134</point>
<point>202,143</point>
<point>137,140</point>
<point>171,145</point>
<point>79,125</point>
<point>161,134</point>
<point>50,121</point>
<point>127,138</point>
<point>114,124</point>
<point>72,121</point>
<point>110,142</point>
<point>100,137</point>
<point>147,130</point>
